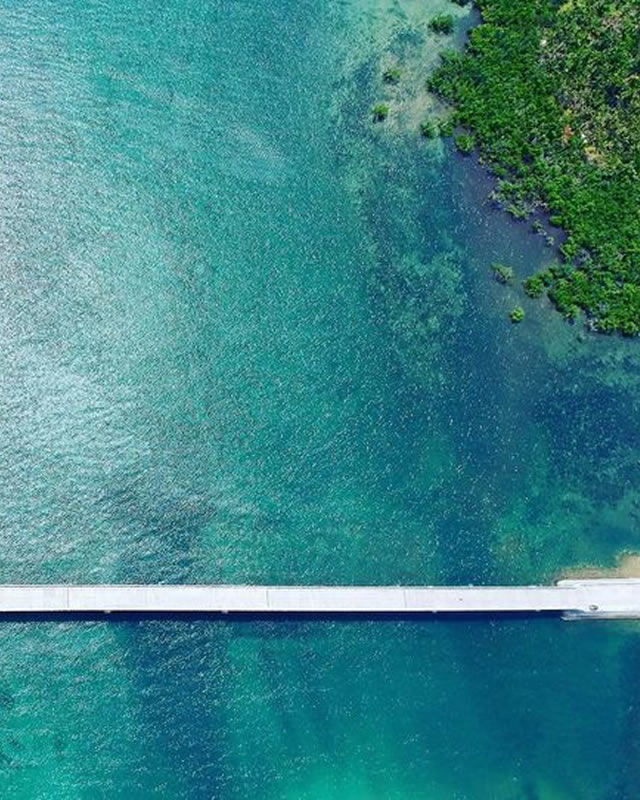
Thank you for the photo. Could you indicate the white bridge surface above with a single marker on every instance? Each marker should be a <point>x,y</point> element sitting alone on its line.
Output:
<point>574,599</point>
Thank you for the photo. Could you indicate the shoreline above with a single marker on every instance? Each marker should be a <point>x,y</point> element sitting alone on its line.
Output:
<point>627,566</point>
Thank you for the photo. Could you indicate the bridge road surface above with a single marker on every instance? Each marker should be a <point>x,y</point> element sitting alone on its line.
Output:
<point>574,599</point>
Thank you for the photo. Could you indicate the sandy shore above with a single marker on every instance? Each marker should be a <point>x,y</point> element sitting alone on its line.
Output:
<point>628,566</point>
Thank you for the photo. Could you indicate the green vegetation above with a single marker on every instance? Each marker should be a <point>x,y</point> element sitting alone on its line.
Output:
<point>392,75</point>
<point>502,273</point>
<point>427,129</point>
<point>550,89</point>
<point>533,286</point>
<point>462,2</point>
<point>443,23</point>
<point>465,143</point>
<point>380,112</point>
<point>447,126</point>
<point>517,315</point>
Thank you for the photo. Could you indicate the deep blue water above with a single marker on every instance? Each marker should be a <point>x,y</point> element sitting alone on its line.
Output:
<point>249,336</point>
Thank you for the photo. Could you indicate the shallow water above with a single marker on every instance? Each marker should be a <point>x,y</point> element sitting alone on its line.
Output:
<point>249,336</point>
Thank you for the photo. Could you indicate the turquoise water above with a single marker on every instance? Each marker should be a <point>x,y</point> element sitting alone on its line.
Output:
<point>248,336</point>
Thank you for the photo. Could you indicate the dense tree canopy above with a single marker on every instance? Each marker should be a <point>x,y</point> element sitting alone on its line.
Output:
<point>551,92</point>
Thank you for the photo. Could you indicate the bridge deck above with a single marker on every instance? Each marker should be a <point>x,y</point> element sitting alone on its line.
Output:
<point>573,598</point>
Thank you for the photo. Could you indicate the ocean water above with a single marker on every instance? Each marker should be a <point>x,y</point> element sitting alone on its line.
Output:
<point>247,335</point>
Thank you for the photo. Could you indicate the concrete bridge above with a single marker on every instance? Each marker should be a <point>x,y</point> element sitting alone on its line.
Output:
<point>573,599</point>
